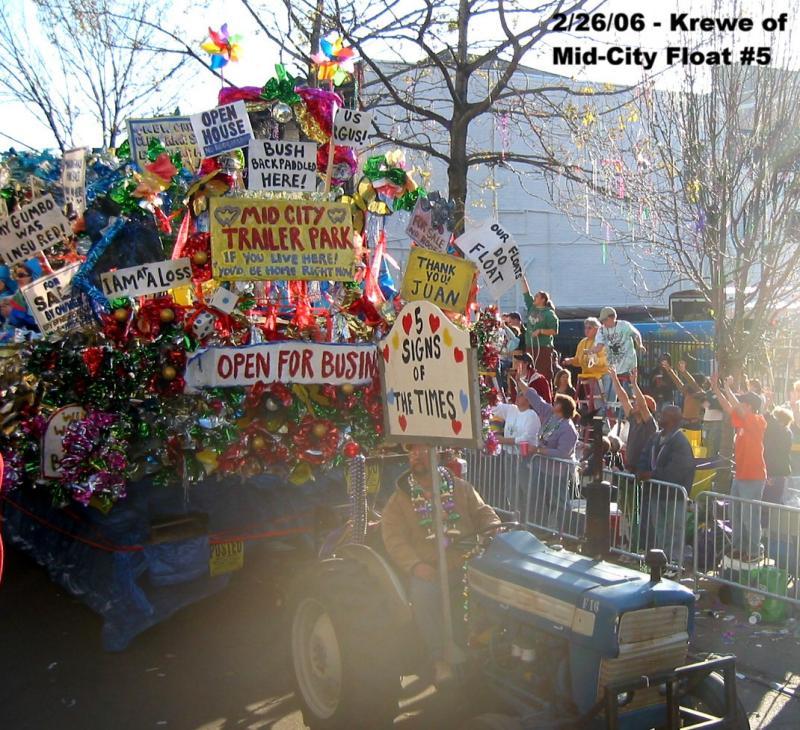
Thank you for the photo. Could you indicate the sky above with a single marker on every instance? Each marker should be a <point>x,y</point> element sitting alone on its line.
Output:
<point>259,56</point>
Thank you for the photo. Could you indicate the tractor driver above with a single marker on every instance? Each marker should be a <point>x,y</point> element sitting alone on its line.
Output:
<point>409,535</point>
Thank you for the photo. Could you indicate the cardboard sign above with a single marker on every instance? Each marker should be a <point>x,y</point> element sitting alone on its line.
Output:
<point>282,165</point>
<point>226,557</point>
<point>429,380</point>
<point>497,257</point>
<point>438,278</point>
<point>255,240</point>
<point>175,133</point>
<point>303,363</point>
<point>351,127</point>
<point>73,179</point>
<point>53,439</point>
<point>222,129</point>
<point>136,281</point>
<point>32,228</point>
<point>421,230</point>
<point>53,304</point>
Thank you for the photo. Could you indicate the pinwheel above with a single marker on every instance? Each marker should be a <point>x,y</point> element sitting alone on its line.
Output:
<point>335,61</point>
<point>222,47</point>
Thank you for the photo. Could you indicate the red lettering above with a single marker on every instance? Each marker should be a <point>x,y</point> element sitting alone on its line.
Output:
<point>308,372</point>
<point>297,244</point>
<point>327,356</point>
<point>224,367</point>
<point>250,212</point>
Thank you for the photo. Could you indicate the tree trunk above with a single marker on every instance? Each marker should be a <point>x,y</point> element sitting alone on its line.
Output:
<point>457,177</point>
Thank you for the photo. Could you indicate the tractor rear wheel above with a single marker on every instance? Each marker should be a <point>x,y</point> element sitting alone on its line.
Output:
<point>709,696</point>
<point>493,722</point>
<point>342,649</point>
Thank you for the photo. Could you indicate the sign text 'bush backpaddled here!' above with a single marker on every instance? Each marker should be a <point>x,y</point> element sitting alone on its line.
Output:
<point>255,240</point>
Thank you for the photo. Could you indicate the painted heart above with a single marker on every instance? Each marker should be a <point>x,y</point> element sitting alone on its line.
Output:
<point>395,341</point>
<point>434,322</point>
<point>456,424</point>
<point>407,322</point>
<point>337,215</point>
<point>458,354</point>
<point>403,422</point>
<point>385,352</point>
<point>448,340</point>
<point>226,214</point>
<point>390,397</point>
<point>464,400</point>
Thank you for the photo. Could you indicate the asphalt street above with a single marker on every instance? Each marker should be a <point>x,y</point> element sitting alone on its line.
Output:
<point>223,664</point>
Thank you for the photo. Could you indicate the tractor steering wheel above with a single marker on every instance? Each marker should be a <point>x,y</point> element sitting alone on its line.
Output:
<point>461,540</point>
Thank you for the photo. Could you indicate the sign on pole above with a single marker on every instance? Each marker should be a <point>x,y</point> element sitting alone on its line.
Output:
<point>54,305</point>
<point>438,278</point>
<point>421,230</point>
<point>494,252</point>
<point>175,133</point>
<point>429,380</point>
<point>137,281</point>
<point>351,127</point>
<point>257,240</point>
<point>32,228</point>
<point>73,179</point>
<point>282,165</point>
<point>222,129</point>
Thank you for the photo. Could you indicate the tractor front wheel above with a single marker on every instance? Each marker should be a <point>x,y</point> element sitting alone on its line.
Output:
<point>493,722</point>
<point>709,696</point>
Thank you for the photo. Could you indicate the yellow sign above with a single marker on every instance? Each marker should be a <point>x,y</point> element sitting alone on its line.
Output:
<point>226,558</point>
<point>256,240</point>
<point>438,278</point>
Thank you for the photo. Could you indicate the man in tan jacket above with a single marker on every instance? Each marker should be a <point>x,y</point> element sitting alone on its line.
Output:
<point>409,537</point>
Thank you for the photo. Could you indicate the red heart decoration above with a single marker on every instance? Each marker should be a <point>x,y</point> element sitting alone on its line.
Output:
<point>407,322</point>
<point>458,354</point>
<point>456,426</point>
<point>386,353</point>
<point>434,322</point>
<point>403,422</point>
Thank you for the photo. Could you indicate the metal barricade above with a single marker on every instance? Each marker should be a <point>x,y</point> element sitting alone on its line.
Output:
<point>550,497</point>
<point>748,544</point>
<point>496,478</point>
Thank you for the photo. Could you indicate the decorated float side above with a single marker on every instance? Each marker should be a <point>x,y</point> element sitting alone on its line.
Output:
<point>189,324</point>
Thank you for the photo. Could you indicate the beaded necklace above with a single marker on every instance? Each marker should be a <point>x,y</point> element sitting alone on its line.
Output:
<point>424,506</point>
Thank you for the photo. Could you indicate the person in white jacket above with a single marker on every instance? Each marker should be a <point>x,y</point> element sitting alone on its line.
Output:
<point>521,423</point>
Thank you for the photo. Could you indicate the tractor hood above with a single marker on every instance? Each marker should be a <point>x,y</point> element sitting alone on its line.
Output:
<point>565,592</point>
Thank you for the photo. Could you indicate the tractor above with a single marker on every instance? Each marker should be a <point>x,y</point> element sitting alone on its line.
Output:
<point>555,639</point>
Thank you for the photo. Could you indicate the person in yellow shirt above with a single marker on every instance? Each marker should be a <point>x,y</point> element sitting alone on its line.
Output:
<point>594,381</point>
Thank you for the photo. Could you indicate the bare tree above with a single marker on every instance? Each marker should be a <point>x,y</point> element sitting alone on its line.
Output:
<point>433,68</point>
<point>94,62</point>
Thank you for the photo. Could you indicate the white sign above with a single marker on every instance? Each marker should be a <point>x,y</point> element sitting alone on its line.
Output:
<point>224,300</point>
<point>53,304</point>
<point>421,230</point>
<point>282,165</point>
<point>493,249</point>
<point>53,439</point>
<point>351,127</point>
<point>73,179</point>
<point>32,228</point>
<point>136,281</point>
<point>304,363</point>
<point>222,129</point>
<point>429,380</point>
<point>175,133</point>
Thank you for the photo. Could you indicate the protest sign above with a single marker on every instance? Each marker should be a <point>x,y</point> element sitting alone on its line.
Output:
<point>175,133</point>
<point>136,281</point>
<point>54,305</point>
<point>222,129</point>
<point>493,250</point>
<point>53,439</point>
<point>73,179</point>
<point>301,363</point>
<point>438,278</point>
<point>32,228</point>
<point>429,380</point>
<point>421,230</point>
<point>281,165</point>
<point>351,127</point>
<point>254,240</point>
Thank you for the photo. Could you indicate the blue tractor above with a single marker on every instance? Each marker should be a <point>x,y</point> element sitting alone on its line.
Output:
<point>561,640</point>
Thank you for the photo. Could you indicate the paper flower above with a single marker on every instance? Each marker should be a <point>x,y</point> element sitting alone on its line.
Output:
<point>335,61</point>
<point>222,47</point>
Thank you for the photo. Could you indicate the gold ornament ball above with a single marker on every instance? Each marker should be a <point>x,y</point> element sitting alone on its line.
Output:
<point>272,405</point>
<point>121,314</point>
<point>259,442</point>
<point>169,373</point>
<point>167,315</point>
<point>199,258</point>
<point>319,430</point>
<point>348,389</point>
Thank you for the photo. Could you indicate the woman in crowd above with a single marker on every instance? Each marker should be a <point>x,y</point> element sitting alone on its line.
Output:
<point>778,453</point>
<point>563,383</point>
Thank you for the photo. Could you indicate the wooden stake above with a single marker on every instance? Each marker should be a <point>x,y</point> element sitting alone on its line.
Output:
<point>331,152</point>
